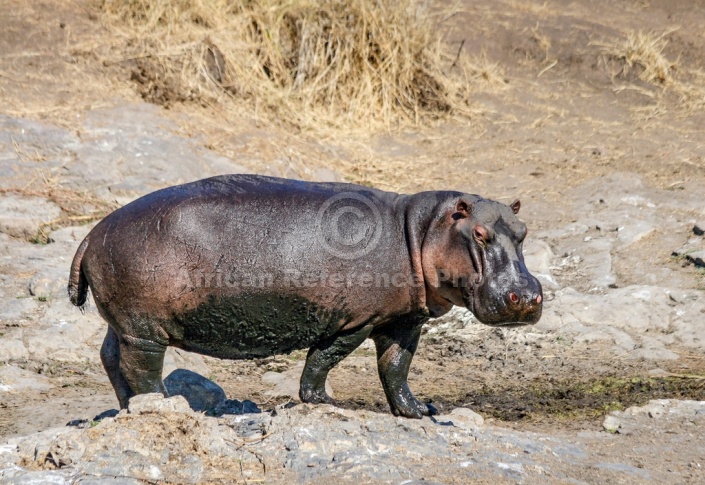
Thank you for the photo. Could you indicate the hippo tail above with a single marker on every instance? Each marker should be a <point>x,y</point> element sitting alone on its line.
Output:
<point>78,285</point>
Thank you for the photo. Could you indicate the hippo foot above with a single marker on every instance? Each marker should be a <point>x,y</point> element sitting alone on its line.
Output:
<point>314,396</point>
<point>412,408</point>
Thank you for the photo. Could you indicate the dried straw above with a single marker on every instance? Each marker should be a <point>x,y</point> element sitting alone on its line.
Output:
<point>305,62</point>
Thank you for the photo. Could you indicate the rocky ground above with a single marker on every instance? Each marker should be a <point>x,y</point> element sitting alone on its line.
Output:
<point>322,444</point>
<point>608,387</point>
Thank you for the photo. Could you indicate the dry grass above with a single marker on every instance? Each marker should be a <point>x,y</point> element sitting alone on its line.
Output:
<point>399,175</point>
<point>309,63</point>
<point>641,54</point>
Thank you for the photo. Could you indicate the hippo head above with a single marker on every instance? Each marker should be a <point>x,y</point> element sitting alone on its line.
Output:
<point>483,265</point>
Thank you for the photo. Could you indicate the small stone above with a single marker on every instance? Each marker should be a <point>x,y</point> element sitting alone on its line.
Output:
<point>697,258</point>
<point>611,424</point>
<point>155,403</point>
<point>48,283</point>
<point>699,228</point>
<point>465,418</point>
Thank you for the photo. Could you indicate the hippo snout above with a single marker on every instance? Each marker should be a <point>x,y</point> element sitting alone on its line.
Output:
<point>524,300</point>
<point>507,305</point>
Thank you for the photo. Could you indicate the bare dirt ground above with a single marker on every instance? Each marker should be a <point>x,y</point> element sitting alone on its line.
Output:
<point>589,144</point>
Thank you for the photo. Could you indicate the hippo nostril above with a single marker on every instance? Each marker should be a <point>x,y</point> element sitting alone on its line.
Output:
<point>513,297</point>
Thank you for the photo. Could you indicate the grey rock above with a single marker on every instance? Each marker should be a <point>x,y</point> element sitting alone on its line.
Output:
<point>21,216</point>
<point>71,234</point>
<point>251,426</point>
<point>109,481</point>
<point>130,150</point>
<point>654,408</point>
<point>631,327</point>
<point>16,308</point>
<point>15,379</point>
<point>635,231</point>
<point>49,283</point>
<point>43,143</point>
<point>538,257</point>
<point>622,468</point>
<point>12,347</point>
<point>20,476</point>
<point>163,440</point>
<point>597,262</point>
<point>180,359</point>
<point>67,335</point>
<point>202,394</point>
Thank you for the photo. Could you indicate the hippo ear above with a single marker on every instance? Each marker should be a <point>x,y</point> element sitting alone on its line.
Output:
<point>516,205</point>
<point>462,210</point>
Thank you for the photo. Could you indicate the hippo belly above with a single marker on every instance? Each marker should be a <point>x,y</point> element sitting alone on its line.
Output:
<point>253,325</point>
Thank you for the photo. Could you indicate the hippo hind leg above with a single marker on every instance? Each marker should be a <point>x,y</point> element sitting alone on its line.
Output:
<point>322,357</point>
<point>134,366</point>
<point>141,364</point>
<point>110,356</point>
<point>396,344</point>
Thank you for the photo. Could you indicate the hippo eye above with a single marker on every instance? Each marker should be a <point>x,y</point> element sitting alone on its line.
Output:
<point>479,233</point>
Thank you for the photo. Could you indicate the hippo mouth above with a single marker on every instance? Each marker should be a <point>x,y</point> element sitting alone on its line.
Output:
<point>469,291</point>
<point>476,256</point>
<point>491,310</point>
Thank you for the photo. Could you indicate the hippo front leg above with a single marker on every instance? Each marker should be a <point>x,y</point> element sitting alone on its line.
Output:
<point>396,344</point>
<point>322,357</point>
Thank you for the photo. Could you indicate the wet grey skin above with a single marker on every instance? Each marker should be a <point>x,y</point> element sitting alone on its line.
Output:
<point>207,267</point>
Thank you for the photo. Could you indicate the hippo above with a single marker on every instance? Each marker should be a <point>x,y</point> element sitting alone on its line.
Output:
<point>248,266</point>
